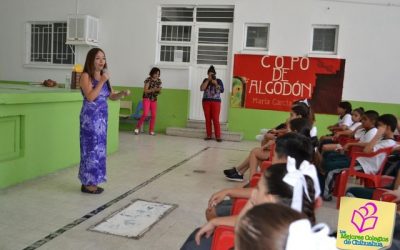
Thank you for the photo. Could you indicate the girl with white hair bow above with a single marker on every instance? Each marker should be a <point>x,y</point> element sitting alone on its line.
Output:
<point>272,226</point>
<point>275,227</point>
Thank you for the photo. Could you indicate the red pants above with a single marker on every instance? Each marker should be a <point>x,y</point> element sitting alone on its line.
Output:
<point>211,112</point>
<point>148,106</point>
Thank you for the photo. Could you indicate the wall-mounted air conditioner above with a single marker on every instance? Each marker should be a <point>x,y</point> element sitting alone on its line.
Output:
<point>83,30</point>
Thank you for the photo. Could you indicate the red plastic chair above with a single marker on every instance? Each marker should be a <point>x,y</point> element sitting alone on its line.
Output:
<point>374,180</point>
<point>343,140</point>
<point>238,205</point>
<point>254,179</point>
<point>266,164</point>
<point>224,238</point>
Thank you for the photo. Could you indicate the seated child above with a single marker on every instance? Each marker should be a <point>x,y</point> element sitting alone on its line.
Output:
<point>290,144</point>
<point>270,134</point>
<point>333,162</point>
<point>262,153</point>
<point>344,121</point>
<point>277,227</point>
<point>382,139</point>
<point>356,116</point>
<point>275,186</point>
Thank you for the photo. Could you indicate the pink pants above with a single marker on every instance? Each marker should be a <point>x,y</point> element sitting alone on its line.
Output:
<point>152,106</point>
<point>211,112</point>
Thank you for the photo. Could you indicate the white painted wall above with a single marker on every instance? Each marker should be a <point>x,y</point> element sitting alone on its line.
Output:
<point>368,38</point>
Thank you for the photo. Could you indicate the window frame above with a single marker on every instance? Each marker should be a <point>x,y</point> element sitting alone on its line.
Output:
<point>28,37</point>
<point>161,43</point>
<point>246,26</point>
<point>325,26</point>
<point>192,43</point>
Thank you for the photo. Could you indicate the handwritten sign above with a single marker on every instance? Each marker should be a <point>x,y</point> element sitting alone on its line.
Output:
<point>274,82</point>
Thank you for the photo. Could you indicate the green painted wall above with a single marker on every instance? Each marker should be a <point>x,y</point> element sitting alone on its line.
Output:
<point>173,110</point>
<point>250,121</point>
<point>172,107</point>
<point>40,133</point>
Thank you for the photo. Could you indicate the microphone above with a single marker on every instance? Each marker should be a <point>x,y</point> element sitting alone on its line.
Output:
<point>106,71</point>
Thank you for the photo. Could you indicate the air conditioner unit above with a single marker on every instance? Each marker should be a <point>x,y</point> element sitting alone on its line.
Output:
<point>82,30</point>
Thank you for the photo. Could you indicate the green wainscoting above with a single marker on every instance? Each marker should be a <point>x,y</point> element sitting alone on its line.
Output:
<point>39,127</point>
<point>172,107</point>
<point>250,121</point>
<point>39,131</point>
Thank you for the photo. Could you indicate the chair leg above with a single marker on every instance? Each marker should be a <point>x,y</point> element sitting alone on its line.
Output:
<point>342,184</point>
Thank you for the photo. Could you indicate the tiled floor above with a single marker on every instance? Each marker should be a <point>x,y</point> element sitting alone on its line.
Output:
<point>176,170</point>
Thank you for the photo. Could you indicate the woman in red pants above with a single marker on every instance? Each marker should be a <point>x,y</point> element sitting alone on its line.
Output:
<point>212,87</point>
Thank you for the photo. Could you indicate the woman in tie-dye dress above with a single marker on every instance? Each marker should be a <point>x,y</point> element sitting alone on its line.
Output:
<point>96,89</point>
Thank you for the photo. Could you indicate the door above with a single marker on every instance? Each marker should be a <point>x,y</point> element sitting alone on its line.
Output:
<point>213,47</point>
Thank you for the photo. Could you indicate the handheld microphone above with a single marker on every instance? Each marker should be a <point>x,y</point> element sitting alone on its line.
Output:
<point>106,71</point>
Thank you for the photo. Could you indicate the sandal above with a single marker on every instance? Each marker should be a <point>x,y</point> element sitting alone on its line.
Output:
<point>98,190</point>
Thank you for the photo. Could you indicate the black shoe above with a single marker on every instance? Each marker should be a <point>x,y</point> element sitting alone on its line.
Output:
<point>235,177</point>
<point>218,140</point>
<point>230,171</point>
<point>207,138</point>
<point>98,190</point>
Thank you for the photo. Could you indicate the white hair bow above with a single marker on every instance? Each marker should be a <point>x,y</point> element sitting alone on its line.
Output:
<point>295,178</point>
<point>303,236</point>
<point>305,101</point>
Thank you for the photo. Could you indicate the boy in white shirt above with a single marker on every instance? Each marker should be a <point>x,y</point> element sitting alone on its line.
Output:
<point>384,138</point>
<point>334,162</point>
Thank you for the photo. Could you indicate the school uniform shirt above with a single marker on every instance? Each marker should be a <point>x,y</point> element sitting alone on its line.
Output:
<point>345,120</point>
<point>354,126</point>
<point>366,136</point>
<point>313,131</point>
<point>371,165</point>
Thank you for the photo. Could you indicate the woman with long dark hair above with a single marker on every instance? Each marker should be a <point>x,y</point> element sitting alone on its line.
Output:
<point>96,88</point>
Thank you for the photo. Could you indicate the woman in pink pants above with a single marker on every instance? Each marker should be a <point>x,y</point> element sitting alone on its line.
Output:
<point>212,87</point>
<point>152,88</point>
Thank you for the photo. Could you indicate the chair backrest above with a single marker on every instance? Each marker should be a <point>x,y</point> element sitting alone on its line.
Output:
<point>343,140</point>
<point>271,151</point>
<point>355,155</point>
<point>224,238</point>
<point>238,205</point>
<point>125,109</point>
<point>254,179</point>
<point>126,105</point>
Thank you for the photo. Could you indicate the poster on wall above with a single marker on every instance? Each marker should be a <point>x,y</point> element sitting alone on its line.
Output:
<point>274,82</point>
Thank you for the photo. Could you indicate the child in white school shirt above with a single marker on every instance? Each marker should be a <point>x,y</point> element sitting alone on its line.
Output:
<point>384,138</point>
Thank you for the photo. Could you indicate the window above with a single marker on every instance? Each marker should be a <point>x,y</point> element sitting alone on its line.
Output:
<point>177,31</point>
<point>216,15</point>
<point>46,44</point>
<point>325,39</point>
<point>256,37</point>
<point>213,46</point>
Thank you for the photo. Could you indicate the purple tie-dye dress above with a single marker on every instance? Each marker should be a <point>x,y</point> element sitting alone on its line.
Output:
<point>93,138</point>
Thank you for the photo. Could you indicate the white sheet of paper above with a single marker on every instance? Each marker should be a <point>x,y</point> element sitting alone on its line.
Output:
<point>134,220</point>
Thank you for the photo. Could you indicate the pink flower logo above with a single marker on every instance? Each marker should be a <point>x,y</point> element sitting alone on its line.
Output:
<point>363,218</point>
